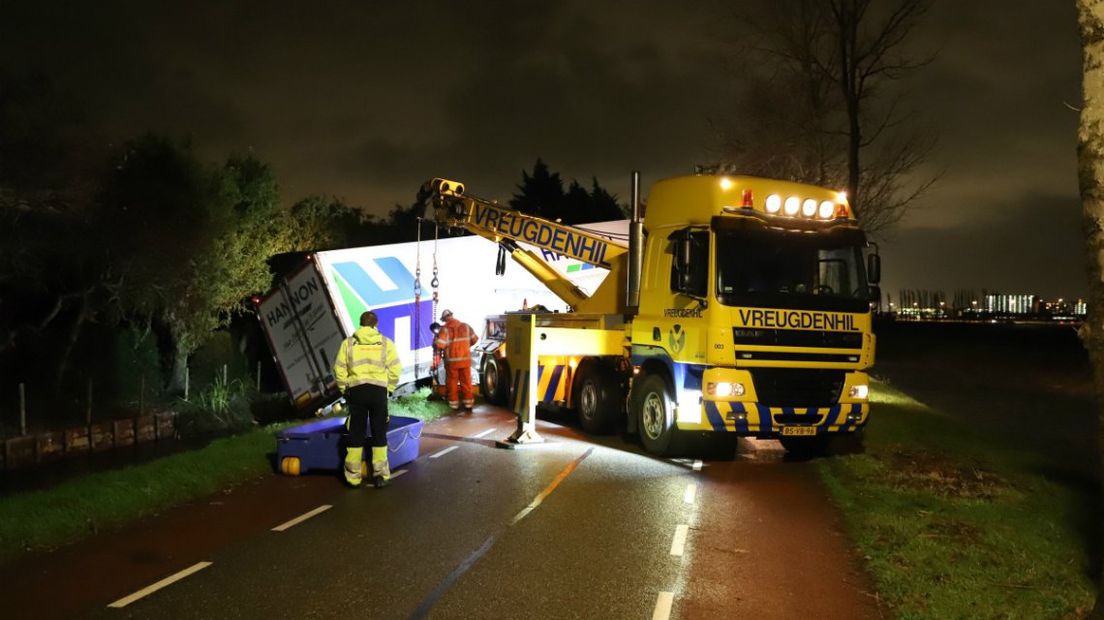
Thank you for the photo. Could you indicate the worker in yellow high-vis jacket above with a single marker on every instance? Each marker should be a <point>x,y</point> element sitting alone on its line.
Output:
<point>367,370</point>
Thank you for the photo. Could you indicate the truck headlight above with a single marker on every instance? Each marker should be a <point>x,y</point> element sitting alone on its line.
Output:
<point>792,205</point>
<point>774,203</point>
<point>860,391</point>
<point>724,389</point>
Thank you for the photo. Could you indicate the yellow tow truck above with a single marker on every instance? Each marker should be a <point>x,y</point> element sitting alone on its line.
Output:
<point>740,307</point>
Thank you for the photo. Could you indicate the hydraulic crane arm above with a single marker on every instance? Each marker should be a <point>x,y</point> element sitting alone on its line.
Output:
<point>508,227</point>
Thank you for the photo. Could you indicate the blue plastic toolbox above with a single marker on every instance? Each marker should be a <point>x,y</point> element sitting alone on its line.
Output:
<point>320,445</point>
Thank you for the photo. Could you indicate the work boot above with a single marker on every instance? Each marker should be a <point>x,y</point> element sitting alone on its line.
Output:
<point>381,469</point>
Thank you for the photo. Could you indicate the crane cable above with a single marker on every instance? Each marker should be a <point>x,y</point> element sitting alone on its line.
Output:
<point>435,283</point>
<point>418,296</point>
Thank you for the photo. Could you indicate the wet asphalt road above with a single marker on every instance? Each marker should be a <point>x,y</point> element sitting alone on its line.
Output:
<point>575,528</point>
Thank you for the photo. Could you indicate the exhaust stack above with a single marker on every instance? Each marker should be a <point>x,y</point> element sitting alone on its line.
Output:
<point>636,249</point>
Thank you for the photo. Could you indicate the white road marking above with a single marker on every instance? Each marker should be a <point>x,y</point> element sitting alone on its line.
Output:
<point>690,494</point>
<point>678,545</point>
<point>301,518</point>
<point>127,600</point>
<point>443,452</point>
<point>697,465</point>
<point>396,474</point>
<point>483,434</point>
<point>663,606</point>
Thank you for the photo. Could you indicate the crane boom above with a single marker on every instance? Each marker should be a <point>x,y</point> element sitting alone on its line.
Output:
<point>509,227</point>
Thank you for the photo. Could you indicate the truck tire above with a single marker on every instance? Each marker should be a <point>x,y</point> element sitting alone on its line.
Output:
<point>494,381</point>
<point>597,398</point>
<point>654,409</point>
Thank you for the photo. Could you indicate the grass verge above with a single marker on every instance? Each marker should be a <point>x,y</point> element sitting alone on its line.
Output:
<point>107,500</point>
<point>952,526</point>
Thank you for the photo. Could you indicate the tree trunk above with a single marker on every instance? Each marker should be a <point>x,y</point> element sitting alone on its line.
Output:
<point>70,344</point>
<point>177,374</point>
<point>1090,155</point>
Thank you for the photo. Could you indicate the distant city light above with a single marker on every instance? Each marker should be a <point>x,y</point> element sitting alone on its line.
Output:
<point>992,307</point>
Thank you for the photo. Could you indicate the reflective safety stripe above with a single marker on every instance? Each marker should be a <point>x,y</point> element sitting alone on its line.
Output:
<point>380,364</point>
<point>351,342</point>
<point>367,362</point>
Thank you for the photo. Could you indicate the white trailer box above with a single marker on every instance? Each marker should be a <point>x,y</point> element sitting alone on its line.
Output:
<point>314,308</point>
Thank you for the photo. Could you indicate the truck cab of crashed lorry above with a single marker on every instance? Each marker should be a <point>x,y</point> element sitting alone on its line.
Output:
<point>741,307</point>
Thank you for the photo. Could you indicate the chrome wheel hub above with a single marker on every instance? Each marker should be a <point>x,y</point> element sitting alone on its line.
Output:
<point>654,415</point>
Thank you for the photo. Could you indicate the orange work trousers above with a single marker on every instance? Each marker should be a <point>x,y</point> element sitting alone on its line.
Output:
<point>458,381</point>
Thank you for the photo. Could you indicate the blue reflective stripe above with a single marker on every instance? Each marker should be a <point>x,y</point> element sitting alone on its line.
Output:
<point>766,424</point>
<point>833,415</point>
<point>714,416</point>
<point>741,425</point>
<point>553,382</point>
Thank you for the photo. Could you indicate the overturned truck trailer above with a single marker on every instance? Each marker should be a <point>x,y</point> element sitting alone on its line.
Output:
<point>314,307</point>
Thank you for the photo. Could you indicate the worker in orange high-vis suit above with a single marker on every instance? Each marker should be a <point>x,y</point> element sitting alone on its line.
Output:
<point>455,340</point>
<point>367,370</point>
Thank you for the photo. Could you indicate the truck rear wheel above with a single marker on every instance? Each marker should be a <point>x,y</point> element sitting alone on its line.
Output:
<point>596,398</point>
<point>495,381</point>
<point>654,409</point>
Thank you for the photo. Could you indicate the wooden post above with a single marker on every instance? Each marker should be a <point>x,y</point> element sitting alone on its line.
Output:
<point>22,409</point>
<point>224,374</point>
<point>258,377</point>
<point>187,381</point>
<point>88,411</point>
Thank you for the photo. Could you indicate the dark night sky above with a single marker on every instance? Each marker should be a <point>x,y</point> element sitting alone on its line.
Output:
<point>367,100</point>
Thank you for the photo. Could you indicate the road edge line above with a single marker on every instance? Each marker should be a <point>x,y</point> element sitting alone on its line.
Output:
<point>303,517</point>
<point>167,581</point>
<point>664,602</point>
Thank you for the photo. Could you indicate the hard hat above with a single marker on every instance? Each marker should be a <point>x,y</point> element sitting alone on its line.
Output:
<point>445,314</point>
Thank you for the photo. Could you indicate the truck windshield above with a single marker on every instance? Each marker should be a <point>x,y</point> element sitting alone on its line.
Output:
<point>781,269</point>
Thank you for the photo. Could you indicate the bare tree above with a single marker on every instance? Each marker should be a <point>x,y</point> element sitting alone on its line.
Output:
<point>817,108</point>
<point>1090,157</point>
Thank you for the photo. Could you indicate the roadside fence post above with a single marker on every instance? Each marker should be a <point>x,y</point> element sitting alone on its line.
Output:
<point>224,374</point>
<point>88,410</point>
<point>187,381</point>
<point>258,377</point>
<point>22,409</point>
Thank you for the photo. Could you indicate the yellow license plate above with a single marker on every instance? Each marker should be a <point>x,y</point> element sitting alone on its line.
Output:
<point>798,431</point>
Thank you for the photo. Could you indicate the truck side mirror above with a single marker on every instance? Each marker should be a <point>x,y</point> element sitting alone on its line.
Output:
<point>873,268</point>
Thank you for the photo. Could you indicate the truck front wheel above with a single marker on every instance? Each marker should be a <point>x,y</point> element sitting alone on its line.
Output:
<point>654,409</point>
